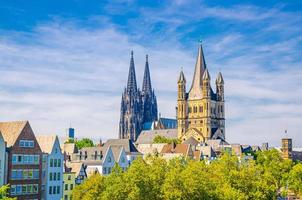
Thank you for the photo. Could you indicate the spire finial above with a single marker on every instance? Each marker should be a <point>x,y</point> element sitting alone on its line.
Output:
<point>132,54</point>
<point>200,41</point>
<point>146,57</point>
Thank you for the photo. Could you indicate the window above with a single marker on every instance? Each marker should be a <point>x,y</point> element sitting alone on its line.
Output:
<point>58,176</point>
<point>65,197</point>
<point>21,159</point>
<point>55,162</point>
<point>23,174</point>
<point>24,189</point>
<point>50,190</point>
<point>109,159</point>
<point>51,162</point>
<point>66,186</point>
<point>50,176</point>
<point>105,170</point>
<point>26,143</point>
<point>58,189</point>
<point>54,189</point>
<point>59,162</point>
<point>54,176</point>
<point>69,177</point>
<point>71,186</point>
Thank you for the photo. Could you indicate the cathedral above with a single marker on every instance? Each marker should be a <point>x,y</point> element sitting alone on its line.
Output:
<point>137,107</point>
<point>200,111</point>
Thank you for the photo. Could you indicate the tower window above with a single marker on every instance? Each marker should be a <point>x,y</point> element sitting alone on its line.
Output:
<point>200,108</point>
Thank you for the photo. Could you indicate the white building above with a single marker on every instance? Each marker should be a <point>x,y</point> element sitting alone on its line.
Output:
<point>52,167</point>
<point>2,161</point>
<point>112,155</point>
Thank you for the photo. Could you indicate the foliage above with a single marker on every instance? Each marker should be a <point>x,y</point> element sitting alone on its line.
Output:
<point>225,178</point>
<point>85,142</point>
<point>3,193</point>
<point>161,139</point>
<point>70,140</point>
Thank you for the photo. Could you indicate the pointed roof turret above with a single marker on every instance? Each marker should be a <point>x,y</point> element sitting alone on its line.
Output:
<point>182,78</point>
<point>147,88</point>
<point>131,85</point>
<point>200,66</point>
<point>219,79</point>
<point>206,75</point>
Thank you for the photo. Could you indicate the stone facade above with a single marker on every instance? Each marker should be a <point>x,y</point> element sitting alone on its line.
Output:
<point>137,107</point>
<point>200,112</point>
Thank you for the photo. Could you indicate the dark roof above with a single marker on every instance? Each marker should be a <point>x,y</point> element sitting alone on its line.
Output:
<point>168,123</point>
<point>126,143</point>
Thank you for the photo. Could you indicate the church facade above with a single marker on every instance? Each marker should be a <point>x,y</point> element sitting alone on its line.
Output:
<point>200,111</point>
<point>137,107</point>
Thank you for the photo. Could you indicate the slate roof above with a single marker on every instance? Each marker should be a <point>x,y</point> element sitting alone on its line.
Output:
<point>146,137</point>
<point>11,131</point>
<point>126,143</point>
<point>116,150</point>
<point>46,142</point>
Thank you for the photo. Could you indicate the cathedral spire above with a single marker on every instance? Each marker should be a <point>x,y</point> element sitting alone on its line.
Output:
<point>200,67</point>
<point>147,88</point>
<point>131,85</point>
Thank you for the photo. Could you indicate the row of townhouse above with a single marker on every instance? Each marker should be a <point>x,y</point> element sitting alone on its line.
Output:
<point>37,167</point>
<point>31,165</point>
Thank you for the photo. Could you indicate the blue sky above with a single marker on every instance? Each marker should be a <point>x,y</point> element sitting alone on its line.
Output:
<point>66,62</point>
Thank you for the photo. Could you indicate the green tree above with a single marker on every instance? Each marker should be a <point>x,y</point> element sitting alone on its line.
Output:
<point>161,139</point>
<point>295,180</point>
<point>85,142</point>
<point>3,193</point>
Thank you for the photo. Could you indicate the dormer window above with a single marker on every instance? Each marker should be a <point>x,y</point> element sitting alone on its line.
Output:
<point>109,159</point>
<point>26,143</point>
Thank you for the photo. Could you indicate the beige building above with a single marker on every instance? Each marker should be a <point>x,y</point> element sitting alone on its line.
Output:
<point>200,112</point>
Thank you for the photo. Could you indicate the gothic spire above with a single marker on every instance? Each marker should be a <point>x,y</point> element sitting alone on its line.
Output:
<point>219,79</point>
<point>200,67</point>
<point>181,78</point>
<point>131,85</point>
<point>147,88</point>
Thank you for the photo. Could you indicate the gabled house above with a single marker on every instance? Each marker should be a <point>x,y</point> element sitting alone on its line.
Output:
<point>69,183</point>
<point>130,149</point>
<point>79,169</point>
<point>52,167</point>
<point>170,151</point>
<point>24,160</point>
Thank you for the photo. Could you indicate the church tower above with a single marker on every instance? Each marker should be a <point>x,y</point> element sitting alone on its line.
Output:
<point>200,112</point>
<point>131,107</point>
<point>148,97</point>
<point>137,107</point>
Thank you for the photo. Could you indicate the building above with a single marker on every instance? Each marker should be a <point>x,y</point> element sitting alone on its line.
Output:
<point>52,167</point>
<point>161,123</point>
<point>137,107</point>
<point>69,183</point>
<point>287,148</point>
<point>2,161</point>
<point>200,112</point>
<point>130,149</point>
<point>24,160</point>
<point>79,169</point>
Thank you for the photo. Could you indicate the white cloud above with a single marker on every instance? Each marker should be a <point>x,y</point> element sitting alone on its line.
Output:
<point>62,73</point>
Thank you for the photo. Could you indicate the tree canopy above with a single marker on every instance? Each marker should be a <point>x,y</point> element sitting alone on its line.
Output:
<point>85,142</point>
<point>161,139</point>
<point>225,178</point>
<point>3,193</point>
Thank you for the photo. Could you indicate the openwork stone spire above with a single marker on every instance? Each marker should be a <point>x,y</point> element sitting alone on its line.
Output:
<point>131,85</point>
<point>147,88</point>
